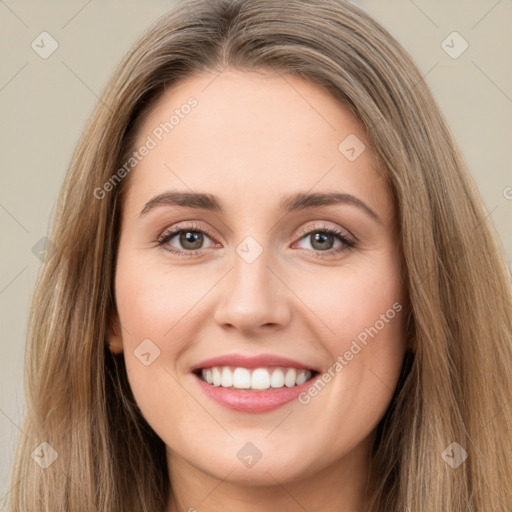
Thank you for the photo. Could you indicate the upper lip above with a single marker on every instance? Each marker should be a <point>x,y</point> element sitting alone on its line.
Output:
<point>253,361</point>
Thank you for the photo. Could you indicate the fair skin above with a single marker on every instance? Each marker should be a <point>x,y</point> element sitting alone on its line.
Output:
<point>251,140</point>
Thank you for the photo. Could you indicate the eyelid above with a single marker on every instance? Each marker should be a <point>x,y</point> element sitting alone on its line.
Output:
<point>319,226</point>
<point>187,225</point>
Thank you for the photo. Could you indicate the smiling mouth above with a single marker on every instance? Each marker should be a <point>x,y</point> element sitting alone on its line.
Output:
<point>254,379</point>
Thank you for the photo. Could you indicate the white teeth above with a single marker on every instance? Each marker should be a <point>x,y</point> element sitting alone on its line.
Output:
<point>301,377</point>
<point>227,378</point>
<point>290,378</point>
<point>260,379</point>
<point>257,379</point>
<point>277,378</point>
<point>216,376</point>
<point>241,378</point>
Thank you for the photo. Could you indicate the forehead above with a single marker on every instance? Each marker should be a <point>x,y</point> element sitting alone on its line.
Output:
<point>253,136</point>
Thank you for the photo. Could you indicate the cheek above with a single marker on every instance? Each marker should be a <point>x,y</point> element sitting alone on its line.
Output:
<point>149,305</point>
<point>360,310</point>
<point>152,304</point>
<point>350,300</point>
<point>153,299</point>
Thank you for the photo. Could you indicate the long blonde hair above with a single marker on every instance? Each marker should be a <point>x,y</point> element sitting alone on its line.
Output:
<point>455,388</point>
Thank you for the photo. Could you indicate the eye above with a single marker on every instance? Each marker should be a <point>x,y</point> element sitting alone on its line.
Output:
<point>322,240</point>
<point>190,237</point>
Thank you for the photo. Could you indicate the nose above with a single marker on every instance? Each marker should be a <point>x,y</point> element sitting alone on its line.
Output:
<point>254,298</point>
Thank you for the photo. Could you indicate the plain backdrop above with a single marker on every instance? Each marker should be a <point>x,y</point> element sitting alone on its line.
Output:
<point>45,102</point>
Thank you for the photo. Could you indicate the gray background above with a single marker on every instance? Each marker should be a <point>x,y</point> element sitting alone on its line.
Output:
<point>45,103</point>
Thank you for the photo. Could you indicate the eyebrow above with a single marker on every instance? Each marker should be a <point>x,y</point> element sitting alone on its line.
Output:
<point>296,202</point>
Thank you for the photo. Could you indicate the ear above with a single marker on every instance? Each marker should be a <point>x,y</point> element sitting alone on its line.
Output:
<point>115,338</point>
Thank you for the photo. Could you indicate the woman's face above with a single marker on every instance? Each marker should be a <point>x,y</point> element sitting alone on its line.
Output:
<point>258,272</point>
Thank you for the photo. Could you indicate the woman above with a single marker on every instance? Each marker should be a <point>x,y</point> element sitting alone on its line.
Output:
<point>195,344</point>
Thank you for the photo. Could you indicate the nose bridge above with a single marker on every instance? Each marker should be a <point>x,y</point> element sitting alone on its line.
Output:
<point>252,295</point>
<point>250,268</point>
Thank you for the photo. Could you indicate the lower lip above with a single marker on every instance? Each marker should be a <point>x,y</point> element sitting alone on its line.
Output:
<point>253,401</point>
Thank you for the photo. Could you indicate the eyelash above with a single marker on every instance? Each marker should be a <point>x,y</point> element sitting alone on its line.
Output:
<point>347,242</point>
